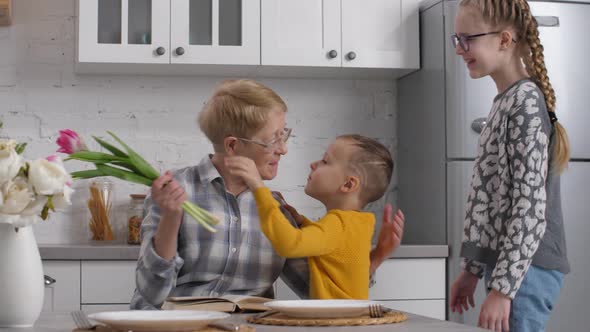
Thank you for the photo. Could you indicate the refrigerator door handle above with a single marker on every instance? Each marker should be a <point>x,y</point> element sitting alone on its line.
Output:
<point>547,21</point>
<point>478,124</point>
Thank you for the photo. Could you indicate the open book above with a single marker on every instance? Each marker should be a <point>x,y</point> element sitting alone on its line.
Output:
<point>229,303</point>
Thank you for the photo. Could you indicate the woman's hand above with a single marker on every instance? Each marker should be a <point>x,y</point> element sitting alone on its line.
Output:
<point>462,292</point>
<point>168,195</point>
<point>246,169</point>
<point>495,312</point>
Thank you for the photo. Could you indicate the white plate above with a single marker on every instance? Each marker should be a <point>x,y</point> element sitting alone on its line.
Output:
<point>158,320</point>
<point>321,308</point>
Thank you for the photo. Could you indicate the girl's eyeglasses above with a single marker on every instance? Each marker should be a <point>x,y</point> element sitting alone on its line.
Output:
<point>463,40</point>
<point>274,144</point>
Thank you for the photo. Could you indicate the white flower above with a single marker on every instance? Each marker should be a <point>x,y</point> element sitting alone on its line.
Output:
<point>35,207</point>
<point>61,201</point>
<point>48,177</point>
<point>17,195</point>
<point>10,161</point>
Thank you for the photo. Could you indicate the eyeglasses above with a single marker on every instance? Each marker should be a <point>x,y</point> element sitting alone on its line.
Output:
<point>463,40</point>
<point>274,144</point>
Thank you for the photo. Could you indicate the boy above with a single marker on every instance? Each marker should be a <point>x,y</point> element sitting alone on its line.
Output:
<point>354,171</point>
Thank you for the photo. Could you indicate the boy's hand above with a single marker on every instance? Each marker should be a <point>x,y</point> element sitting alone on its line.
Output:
<point>296,216</point>
<point>246,169</point>
<point>391,232</point>
<point>390,236</point>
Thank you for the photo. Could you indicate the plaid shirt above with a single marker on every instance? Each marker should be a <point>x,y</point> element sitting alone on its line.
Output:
<point>237,259</point>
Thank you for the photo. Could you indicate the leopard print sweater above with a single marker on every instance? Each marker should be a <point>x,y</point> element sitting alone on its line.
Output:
<point>505,215</point>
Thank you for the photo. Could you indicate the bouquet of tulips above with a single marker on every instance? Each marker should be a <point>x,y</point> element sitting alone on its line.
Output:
<point>126,165</point>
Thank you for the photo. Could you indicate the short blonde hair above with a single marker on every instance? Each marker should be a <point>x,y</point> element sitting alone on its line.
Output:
<point>373,163</point>
<point>238,108</point>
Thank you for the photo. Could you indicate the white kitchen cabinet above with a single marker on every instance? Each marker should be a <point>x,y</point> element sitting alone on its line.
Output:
<point>334,33</point>
<point>215,32</point>
<point>380,34</point>
<point>107,282</point>
<point>409,279</point>
<point>415,285</point>
<point>166,31</point>
<point>301,33</point>
<point>63,295</point>
<point>123,31</point>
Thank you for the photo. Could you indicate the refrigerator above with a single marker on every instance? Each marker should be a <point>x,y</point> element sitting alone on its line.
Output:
<point>441,110</point>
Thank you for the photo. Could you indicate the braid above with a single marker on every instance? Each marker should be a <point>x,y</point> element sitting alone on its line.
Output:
<point>534,60</point>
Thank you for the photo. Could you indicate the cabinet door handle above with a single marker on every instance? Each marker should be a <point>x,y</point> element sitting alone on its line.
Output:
<point>179,51</point>
<point>49,280</point>
<point>351,55</point>
<point>478,124</point>
<point>160,50</point>
<point>332,54</point>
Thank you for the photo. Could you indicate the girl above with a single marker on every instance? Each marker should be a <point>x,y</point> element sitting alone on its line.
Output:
<point>514,226</point>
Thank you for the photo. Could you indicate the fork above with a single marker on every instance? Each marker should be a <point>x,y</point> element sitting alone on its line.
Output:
<point>81,320</point>
<point>377,310</point>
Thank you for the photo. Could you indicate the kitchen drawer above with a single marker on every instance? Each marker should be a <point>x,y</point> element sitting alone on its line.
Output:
<point>409,279</point>
<point>64,294</point>
<point>429,308</point>
<point>107,282</point>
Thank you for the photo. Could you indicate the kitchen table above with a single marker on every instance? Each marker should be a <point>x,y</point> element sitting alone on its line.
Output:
<point>63,322</point>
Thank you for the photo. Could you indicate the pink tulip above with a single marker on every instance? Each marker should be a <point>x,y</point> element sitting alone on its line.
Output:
<point>69,142</point>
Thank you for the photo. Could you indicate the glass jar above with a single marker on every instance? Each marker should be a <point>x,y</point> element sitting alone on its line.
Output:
<point>134,218</point>
<point>100,205</point>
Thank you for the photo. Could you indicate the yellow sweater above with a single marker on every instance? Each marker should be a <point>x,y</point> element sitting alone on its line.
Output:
<point>337,246</point>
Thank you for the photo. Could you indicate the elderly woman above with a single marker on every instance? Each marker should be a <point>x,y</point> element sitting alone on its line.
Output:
<point>180,258</point>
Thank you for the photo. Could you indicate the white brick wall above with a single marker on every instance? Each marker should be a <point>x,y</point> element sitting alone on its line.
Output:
<point>40,94</point>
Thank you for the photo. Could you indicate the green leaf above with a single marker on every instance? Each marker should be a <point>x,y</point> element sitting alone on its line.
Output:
<point>20,148</point>
<point>45,212</point>
<point>114,150</point>
<point>86,174</point>
<point>123,174</point>
<point>126,165</point>
<point>141,164</point>
<point>95,157</point>
<point>49,203</point>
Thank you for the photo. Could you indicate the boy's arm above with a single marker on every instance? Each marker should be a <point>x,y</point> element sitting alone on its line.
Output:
<point>316,239</point>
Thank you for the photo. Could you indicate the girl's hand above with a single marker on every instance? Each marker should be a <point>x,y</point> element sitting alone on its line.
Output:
<point>246,169</point>
<point>495,312</point>
<point>462,292</point>
<point>168,195</point>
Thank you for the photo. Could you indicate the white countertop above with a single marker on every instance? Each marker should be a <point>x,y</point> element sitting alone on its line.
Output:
<point>96,250</point>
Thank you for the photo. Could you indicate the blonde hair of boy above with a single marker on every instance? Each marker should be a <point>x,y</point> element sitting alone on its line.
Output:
<point>517,14</point>
<point>374,165</point>
<point>238,108</point>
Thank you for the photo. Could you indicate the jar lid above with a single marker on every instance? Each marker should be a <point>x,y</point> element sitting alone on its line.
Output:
<point>137,196</point>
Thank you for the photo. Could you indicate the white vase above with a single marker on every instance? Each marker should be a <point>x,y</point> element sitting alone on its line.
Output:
<point>21,277</point>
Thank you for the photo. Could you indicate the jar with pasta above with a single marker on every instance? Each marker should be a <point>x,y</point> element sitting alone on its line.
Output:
<point>100,205</point>
<point>134,218</point>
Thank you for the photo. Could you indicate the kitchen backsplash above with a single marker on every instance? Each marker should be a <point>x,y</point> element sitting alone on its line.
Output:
<point>41,94</point>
